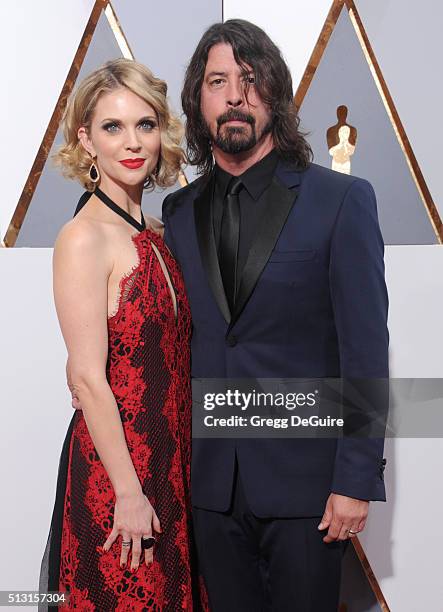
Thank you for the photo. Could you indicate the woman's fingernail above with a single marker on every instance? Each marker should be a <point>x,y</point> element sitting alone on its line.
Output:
<point>122,565</point>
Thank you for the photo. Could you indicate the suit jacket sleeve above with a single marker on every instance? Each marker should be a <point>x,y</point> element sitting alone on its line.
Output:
<point>360,303</point>
<point>167,237</point>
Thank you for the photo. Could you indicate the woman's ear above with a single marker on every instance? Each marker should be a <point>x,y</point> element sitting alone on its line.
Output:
<point>86,142</point>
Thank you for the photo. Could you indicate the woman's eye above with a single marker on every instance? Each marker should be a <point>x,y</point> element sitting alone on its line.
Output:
<point>148,125</point>
<point>111,127</point>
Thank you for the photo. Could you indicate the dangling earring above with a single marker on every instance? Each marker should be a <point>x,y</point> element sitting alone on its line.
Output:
<point>94,174</point>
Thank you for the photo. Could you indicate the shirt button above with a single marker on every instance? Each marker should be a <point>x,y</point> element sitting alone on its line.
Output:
<point>231,340</point>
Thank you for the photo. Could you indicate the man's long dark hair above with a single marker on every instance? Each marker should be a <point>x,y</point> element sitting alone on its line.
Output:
<point>251,46</point>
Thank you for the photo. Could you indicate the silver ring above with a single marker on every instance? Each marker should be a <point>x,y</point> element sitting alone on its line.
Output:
<point>126,544</point>
<point>350,531</point>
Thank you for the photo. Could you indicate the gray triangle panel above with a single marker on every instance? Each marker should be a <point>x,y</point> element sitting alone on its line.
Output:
<point>344,77</point>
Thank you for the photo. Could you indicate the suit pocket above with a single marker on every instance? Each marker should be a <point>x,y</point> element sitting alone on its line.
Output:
<point>289,256</point>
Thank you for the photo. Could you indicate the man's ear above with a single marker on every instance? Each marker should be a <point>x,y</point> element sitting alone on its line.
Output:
<point>86,142</point>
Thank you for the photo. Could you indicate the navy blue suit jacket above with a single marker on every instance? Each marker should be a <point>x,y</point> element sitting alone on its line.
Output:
<point>312,303</point>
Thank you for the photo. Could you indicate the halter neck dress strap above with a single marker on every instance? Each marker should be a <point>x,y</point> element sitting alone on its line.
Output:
<point>140,226</point>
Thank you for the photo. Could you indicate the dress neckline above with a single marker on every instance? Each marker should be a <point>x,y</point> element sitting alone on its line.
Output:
<point>140,226</point>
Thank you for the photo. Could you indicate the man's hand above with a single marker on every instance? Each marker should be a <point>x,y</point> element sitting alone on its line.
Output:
<point>75,400</point>
<point>345,517</point>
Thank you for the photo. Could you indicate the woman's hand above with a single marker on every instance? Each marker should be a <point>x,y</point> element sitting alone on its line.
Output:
<point>134,518</point>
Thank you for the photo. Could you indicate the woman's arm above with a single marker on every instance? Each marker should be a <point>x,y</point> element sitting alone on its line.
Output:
<point>81,273</point>
<point>82,266</point>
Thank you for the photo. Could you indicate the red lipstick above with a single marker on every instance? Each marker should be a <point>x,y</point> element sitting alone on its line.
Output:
<point>133,164</point>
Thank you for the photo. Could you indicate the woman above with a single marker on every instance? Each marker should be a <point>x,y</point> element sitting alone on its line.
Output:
<point>119,536</point>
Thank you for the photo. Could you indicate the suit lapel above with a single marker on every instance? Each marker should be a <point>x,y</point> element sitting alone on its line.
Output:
<point>280,198</point>
<point>206,242</point>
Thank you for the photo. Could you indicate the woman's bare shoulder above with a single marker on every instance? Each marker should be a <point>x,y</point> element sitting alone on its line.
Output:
<point>83,238</point>
<point>81,231</point>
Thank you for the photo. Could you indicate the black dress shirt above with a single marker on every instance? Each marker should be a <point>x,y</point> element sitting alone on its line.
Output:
<point>252,198</point>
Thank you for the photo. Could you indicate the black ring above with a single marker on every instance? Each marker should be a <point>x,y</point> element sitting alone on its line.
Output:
<point>147,543</point>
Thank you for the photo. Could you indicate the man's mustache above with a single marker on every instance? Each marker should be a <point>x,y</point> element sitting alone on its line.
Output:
<point>234,115</point>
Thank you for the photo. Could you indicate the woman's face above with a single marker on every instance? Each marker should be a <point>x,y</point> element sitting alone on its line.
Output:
<point>124,137</point>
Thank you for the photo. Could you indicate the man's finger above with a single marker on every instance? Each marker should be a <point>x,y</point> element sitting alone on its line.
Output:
<point>353,531</point>
<point>333,531</point>
<point>345,532</point>
<point>325,521</point>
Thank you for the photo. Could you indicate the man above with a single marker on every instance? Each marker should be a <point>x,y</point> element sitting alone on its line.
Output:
<point>283,264</point>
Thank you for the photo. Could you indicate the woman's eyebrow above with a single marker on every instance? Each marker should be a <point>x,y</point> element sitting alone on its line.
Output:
<point>113,119</point>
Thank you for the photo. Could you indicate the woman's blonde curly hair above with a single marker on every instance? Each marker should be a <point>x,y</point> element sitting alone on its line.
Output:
<point>75,161</point>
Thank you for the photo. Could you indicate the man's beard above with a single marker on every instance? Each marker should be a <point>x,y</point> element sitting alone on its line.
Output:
<point>237,139</point>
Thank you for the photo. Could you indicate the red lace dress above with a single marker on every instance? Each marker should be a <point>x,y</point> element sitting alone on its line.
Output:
<point>149,374</point>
